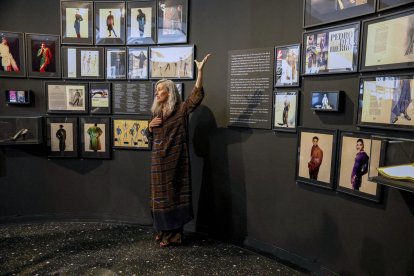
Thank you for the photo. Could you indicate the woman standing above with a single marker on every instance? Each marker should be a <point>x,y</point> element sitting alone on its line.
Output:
<point>360,166</point>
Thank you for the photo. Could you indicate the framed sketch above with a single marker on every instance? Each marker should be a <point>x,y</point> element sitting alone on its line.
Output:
<point>387,102</point>
<point>110,23</point>
<point>128,133</point>
<point>331,50</point>
<point>138,63</point>
<point>141,25</point>
<point>12,58</point>
<point>100,98</point>
<point>82,63</point>
<point>287,66</point>
<point>66,97</point>
<point>62,136</point>
<point>116,63</point>
<point>388,42</point>
<point>316,157</point>
<point>172,21</point>
<point>76,22</point>
<point>358,154</point>
<point>318,12</point>
<point>329,101</point>
<point>43,56</point>
<point>173,62</point>
<point>285,110</point>
<point>388,4</point>
<point>95,141</point>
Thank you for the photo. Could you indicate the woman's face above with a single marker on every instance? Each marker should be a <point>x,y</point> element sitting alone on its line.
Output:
<point>161,93</point>
<point>359,146</point>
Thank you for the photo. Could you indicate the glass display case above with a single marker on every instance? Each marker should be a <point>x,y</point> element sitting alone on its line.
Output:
<point>21,130</point>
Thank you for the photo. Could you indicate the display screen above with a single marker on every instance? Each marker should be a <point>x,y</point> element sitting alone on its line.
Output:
<point>325,101</point>
<point>17,97</point>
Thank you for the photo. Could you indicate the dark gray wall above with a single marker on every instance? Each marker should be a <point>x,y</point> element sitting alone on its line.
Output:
<point>243,180</point>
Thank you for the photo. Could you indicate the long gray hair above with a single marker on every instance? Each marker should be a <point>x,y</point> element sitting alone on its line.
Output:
<point>173,98</point>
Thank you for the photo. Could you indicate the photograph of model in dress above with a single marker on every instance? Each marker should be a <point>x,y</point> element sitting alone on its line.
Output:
<point>9,53</point>
<point>115,64</point>
<point>287,66</point>
<point>43,56</point>
<point>285,110</point>
<point>138,63</point>
<point>94,137</point>
<point>76,99</point>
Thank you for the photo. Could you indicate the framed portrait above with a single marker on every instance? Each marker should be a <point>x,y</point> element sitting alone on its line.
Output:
<point>129,133</point>
<point>82,63</point>
<point>77,22</point>
<point>388,42</point>
<point>285,110</point>
<point>172,21</point>
<point>100,98</point>
<point>138,63</point>
<point>95,141</point>
<point>43,56</point>
<point>116,63</point>
<point>388,4</point>
<point>318,12</point>
<point>12,58</point>
<point>329,101</point>
<point>175,62</point>
<point>62,137</point>
<point>110,23</point>
<point>287,66</point>
<point>357,155</point>
<point>132,97</point>
<point>332,50</point>
<point>66,97</point>
<point>386,102</point>
<point>316,157</point>
<point>141,25</point>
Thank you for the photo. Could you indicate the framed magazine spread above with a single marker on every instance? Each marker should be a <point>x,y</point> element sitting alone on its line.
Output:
<point>285,110</point>
<point>287,66</point>
<point>66,97</point>
<point>100,98</point>
<point>83,62</point>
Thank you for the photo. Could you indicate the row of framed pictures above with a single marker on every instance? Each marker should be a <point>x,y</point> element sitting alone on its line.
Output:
<point>93,137</point>
<point>145,22</point>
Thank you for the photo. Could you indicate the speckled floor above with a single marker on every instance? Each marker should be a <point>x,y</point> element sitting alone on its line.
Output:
<point>76,248</point>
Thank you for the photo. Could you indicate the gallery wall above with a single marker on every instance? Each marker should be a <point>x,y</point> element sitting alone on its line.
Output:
<point>243,180</point>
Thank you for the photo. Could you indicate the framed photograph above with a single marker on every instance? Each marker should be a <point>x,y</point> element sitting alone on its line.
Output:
<point>176,62</point>
<point>326,101</point>
<point>172,21</point>
<point>388,42</point>
<point>137,63</point>
<point>358,154</point>
<point>287,66</point>
<point>43,56</point>
<point>141,25</point>
<point>77,22</point>
<point>100,98</point>
<point>116,63</point>
<point>285,110</point>
<point>12,58</point>
<point>128,133</point>
<point>95,141</point>
<point>62,137</point>
<point>387,102</point>
<point>318,12</point>
<point>331,50</point>
<point>388,4</point>
<point>110,23</point>
<point>82,63</point>
<point>66,97</point>
<point>316,157</point>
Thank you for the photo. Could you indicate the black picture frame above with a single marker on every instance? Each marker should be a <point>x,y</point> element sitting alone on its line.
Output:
<point>83,63</point>
<point>285,111</point>
<point>287,65</point>
<point>109,34</point>
<point>178,60</point>
<point>388,42</point>
<point>172,23</point>
<point>389,4</point>
<point>67,97</point>
<point>326,101</point>
<point>138,60</point>
<point>14,65</point>
<point>316,13</point>
<point>62,137</point>
<point>132,98</point>
<point>141,22</point>
<point>78,30</point>
<point>128,133</point>
<point>100,98</point>
<point>95,137</point>
<point>384,101</point>
<point>19,97</point>
<point>43,63</point>
<point>307,169</point>
<point>324,50</point>
<point>354,165</point>
<point>116,66</point>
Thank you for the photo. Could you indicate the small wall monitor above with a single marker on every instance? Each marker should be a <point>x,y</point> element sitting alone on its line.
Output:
<point>18,97</point>
<point>325,101</point>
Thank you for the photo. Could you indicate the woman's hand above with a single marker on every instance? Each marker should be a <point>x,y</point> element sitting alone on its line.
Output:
<point>157,121</point>
<point>200,64</point>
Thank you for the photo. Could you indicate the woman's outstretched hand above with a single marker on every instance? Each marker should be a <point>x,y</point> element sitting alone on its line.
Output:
<point>200,64</point>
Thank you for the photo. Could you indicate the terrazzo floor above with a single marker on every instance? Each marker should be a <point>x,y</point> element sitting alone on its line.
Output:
<point>78,248</point>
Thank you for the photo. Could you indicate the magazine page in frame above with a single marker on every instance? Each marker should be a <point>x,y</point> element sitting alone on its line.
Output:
<point>332,50</point>
<point>100,98</point>
<point>77,22</point>
<point>316,157</point>
<point>95,137</point>
<point>388,42</point>
<point>129,133</point>
<point>12,58</point>
<point>62,137</point>
<point>82,63</point>
<point>388,4</point>
<point>138,63</point>
<point>172,21</point>
<point>141,17</point>
<point>175,62</point>
<point>287,66</point>
<point>116,63</point>
<point>285,107</point>
<point>109,23</point>
<point>64,97</point>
